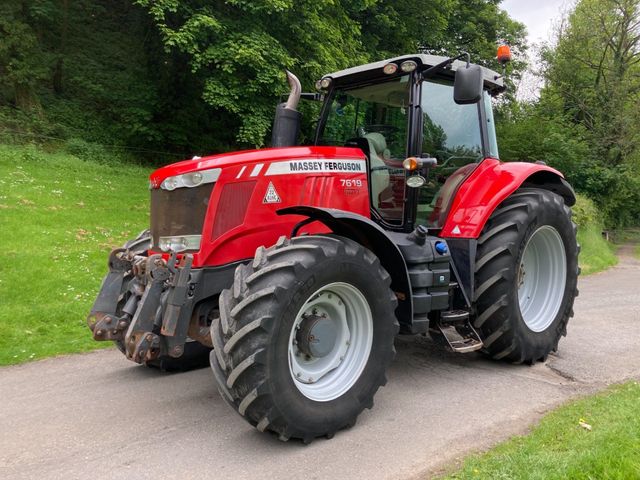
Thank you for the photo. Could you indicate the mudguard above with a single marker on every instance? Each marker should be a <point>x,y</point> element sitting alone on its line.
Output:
<point>369,234</point>
<point>490,184</point>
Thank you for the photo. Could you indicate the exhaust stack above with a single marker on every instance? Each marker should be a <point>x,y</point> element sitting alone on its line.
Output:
<point>286,124</point>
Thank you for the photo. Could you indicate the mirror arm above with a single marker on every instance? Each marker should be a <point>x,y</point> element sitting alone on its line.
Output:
<point>316,97</point>
<point>432,70</point>
<point>427,161</point>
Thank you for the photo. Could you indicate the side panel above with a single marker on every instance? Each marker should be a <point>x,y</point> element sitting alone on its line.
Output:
<point>490,183</point>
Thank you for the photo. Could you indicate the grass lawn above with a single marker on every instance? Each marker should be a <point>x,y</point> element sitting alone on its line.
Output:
<point>596,253</point>
<point>560,448</point>
<point>59,218</point>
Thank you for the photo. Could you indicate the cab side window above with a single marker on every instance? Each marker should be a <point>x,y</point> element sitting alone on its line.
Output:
<point>451,134</point>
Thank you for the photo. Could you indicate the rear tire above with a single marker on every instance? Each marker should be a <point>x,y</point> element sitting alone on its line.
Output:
<point>526,276</point>
<point>256,361</point>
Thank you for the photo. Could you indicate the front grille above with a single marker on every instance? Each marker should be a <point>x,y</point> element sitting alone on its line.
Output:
<point>178,212</point>
<point>232,207</point>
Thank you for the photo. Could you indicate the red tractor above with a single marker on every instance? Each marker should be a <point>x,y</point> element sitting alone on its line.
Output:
<point>298,265</point>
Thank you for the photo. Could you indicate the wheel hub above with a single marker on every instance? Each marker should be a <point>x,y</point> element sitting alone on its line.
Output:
<point>542,278</point>
<point>330,341</point>
<point>316,335</point>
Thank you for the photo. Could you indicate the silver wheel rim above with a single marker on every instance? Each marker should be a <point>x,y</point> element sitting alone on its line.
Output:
<point>542,276</point>
<point>345,310</point>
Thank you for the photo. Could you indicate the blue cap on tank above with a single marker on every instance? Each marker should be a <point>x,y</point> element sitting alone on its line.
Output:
<point>441,248</point>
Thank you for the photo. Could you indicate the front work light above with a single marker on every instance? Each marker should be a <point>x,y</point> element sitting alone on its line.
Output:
<point>390,68</point>
<point>408,66</point>
<point>416,181</point>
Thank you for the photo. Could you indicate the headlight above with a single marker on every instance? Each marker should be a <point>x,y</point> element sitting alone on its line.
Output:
<point>191,179</point>
<point>180,243</point>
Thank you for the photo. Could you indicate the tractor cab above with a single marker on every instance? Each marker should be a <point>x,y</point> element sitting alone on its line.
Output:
<point>405,108</point>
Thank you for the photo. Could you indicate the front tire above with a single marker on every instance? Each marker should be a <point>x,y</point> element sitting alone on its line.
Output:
<point>526,276</point>
<point>305,336</point>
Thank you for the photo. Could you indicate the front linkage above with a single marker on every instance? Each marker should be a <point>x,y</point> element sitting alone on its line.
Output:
<point>145,304</point>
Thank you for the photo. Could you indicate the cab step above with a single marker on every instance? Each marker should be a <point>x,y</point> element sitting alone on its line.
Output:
<point>455,332</point>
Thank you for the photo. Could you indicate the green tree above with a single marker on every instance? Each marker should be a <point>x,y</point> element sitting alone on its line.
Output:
<point>595,71</point>
<point>586,121</point>
<point>240,49</point>
<point>23,61</point>
<point>196,76</point>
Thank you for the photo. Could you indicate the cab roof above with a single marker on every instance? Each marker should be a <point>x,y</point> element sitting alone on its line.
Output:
<point>369,71</point>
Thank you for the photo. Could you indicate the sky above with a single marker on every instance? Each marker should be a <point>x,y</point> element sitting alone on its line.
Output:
<point>539,16</point>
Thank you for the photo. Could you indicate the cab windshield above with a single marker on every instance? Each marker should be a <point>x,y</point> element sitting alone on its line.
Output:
<point>375,118</point>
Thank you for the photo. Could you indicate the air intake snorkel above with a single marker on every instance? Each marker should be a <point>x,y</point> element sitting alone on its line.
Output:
<point>286,124</point>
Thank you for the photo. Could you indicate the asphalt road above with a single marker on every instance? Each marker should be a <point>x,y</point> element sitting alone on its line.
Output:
<point>99,416</point>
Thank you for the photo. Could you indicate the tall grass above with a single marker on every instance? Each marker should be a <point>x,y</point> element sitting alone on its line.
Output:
<point>596,253</point>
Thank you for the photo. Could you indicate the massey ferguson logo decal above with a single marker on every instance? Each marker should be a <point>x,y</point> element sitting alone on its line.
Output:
<point>272,195</point>
<point>317,166</point>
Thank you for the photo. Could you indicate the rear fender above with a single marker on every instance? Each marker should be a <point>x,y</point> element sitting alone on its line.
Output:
<point>489,185</point>
<point>477,198</point>
<point>370,235</point>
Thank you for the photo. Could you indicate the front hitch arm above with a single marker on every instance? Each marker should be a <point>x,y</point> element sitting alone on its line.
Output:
<point>102,319</point>
<point>141,343</point>
<point>145,303</point>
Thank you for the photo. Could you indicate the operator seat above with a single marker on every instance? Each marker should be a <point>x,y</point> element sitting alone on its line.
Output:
<point>378,151</point>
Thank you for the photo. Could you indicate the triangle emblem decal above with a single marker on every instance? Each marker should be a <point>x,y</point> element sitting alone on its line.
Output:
<point>272,195</point>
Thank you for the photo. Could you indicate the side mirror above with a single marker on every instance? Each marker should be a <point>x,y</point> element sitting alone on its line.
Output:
<point>468,85</point>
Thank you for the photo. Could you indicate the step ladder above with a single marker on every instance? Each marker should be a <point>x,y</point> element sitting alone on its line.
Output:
<point>455,332</point>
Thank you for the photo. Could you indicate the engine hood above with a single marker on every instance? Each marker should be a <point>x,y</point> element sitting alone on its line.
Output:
<point>249,157</point>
